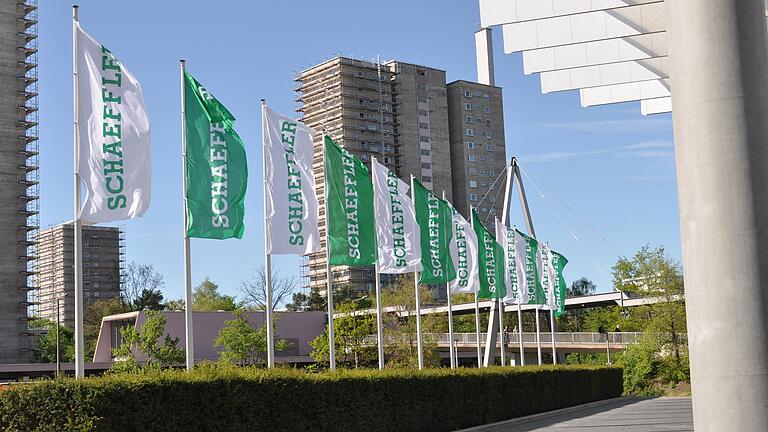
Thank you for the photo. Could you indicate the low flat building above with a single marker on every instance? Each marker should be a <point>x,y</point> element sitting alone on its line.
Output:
<point>298,329</point>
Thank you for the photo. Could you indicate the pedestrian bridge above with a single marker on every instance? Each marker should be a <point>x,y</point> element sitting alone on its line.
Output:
<point>585,342</point>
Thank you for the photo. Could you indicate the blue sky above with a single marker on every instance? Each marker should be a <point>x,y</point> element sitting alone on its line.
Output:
<point>607,173</point>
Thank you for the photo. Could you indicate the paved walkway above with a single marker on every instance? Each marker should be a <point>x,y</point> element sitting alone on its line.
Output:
<point>620,415</point>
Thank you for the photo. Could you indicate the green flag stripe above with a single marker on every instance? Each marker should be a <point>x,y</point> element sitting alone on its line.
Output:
<point>435,219</point>
<point>349,203</point>
<point>491,261</point>
<point>217,170</point>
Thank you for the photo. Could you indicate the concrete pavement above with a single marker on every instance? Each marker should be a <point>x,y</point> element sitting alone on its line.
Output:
<point>627,414</point>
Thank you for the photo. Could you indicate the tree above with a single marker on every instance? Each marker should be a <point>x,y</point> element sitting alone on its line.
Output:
<point>149,300</point>
<point>342,293</point>
<point>174,305</point>
<point>255,290</point>
<point>139,278</point>
<point>400,327</point>
<point>351,331</point>
<point>206,298</point>
<point>581,287</point>
<point>94,314</point>
<point>243,343</point>
<point>45,351</point>
<point>147,343</point>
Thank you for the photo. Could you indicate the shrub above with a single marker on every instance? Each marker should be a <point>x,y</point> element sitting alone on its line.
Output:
<point>247,399</point>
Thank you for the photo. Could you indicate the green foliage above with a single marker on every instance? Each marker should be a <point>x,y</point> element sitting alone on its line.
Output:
<point>351,332</point>
<point>149,299</point>
<point>401,346</point>
<point>342,293</point>
<point>147,343</point>
<point>94,313</point>
<point>207,298</point>
<point>45,351</point>
<point>256,399</point>
<point>243,343</point>
<point>581,287</point>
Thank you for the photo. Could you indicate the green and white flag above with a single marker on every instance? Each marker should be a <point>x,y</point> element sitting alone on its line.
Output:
<point>464,256</point>
<point>291,202</point>
<point>527,259</point>
<point>114,159</point>
<point>397,232</point>
<point>491,262</point>
<point>435,218</point>
<point>217,171</point>
<point>547,276</point>
<point>558,263</point>
<point>349,203</point>
<point>514,274</point>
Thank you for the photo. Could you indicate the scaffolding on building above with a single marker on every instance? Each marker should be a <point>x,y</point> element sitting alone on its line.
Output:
<point>28,122</point>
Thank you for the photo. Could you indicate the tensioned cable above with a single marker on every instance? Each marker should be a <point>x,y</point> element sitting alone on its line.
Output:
<point>501,174</point>
<point>494,203</point>
<point>567,227</point>
<point>588,225</point>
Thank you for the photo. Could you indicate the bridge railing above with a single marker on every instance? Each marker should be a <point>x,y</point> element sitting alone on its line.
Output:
<point>565,338</point>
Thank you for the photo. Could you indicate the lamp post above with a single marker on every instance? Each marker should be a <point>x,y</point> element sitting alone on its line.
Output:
<point>58,324</point>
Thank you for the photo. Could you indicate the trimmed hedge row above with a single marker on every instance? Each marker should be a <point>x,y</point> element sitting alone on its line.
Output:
<point>248,399</point>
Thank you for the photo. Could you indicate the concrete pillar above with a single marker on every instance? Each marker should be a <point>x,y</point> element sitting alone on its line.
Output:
<point>484,53</point>
<point>719,60</point>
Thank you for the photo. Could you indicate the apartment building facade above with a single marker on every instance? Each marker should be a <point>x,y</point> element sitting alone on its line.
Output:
<point>397,112</point>
<point>103,253</point>
<point>478,154</point>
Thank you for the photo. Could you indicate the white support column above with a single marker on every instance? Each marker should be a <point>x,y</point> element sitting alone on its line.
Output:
<point>484,53</point>
<point>719,70</point>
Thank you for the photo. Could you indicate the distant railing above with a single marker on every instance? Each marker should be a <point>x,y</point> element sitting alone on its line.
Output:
<point>565,338</point>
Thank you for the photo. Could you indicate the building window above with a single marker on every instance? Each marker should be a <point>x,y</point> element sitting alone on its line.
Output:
<point>468,106</point>
<point>481,171</point>
<point>492,199</point>
<point>473,197</point>
<point>423,125</point>
<point>421,99</point>
<point>492,211</point>
<point>490,161</point>
<point>467,93</point>
<point>487,134</point>
<point>482,158</point>
<point>489,147</point>
<point>361,101</point>
<point>423,138</point>
<point>473,184</point>
<point>470,132</point>
<point>491,173</point>
<point>483,184</point>
<point>488,123</point>
<point>486,96</point>
<point>426,179</point>
<point>468,120</point>
<point>471,157</point>
<point>361,115</point>
<point>425,165</point>
<point>472,171</point>
<point>483,209</point>
<point>423,113</point>
<point>487,110</point>
<point>425,152</point>
<point>363,145</point>
<point>470,145</point>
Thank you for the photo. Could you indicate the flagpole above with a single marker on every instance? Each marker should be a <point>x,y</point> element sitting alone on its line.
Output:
<point>552,327</point>
<point>538,335</point>
<point>267,255</point>
<point>501,329</point>
<point>450,317</point>
<point>188,325</point>
<point>379,320</point>
<point>328,272</point>
<point>419,342</point>
<point>520,332</point>
<point>477,306</point>
<point>78,224</point>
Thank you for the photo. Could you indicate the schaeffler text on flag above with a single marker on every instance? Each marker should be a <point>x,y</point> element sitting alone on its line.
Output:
<point>291,201</point>
<point>114,159</point>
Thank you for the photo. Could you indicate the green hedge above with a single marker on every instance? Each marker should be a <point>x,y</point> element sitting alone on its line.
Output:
<point>250,399</point>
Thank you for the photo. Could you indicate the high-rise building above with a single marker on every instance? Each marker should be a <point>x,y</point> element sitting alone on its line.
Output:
<point>396,112</point>
<point>102,265</point>
<point>18,176</point>
<point>478,154</point>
